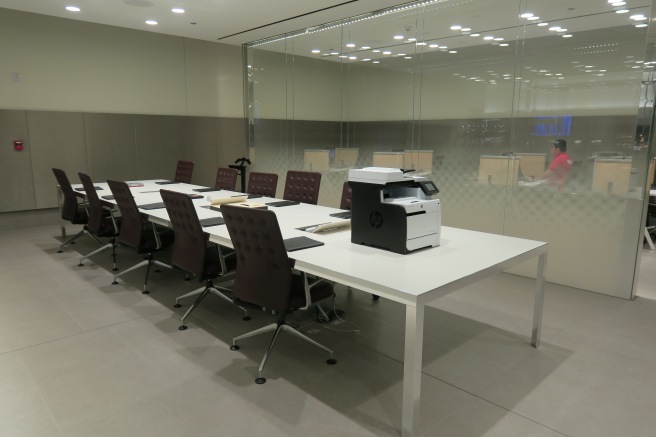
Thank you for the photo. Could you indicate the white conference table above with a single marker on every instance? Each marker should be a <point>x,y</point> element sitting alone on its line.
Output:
<point>463,257</point>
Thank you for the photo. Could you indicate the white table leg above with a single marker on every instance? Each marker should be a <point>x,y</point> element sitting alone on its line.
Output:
<point>539,301</point>
<point>414,342</point>
<point>649,240</point>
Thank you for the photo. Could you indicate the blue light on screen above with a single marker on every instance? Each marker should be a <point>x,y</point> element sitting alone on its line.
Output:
<point>557,126</point>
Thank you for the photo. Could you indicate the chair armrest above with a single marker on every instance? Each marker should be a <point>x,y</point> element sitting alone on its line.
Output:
<point>308,283</point>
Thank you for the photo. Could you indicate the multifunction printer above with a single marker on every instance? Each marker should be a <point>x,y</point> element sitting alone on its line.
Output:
<point>393,211</point>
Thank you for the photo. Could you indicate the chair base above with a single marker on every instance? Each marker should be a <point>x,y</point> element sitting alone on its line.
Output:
<point>277,327</point>
<point>146,262</point>
<point>111,245</point>
<point>204,291</point>
<point>71,240</point>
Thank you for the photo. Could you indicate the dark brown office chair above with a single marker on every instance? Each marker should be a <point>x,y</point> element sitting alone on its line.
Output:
<point>262,184</point>
<point>226,179</point>
<point>184,171</point>
<point>102,222</point>
<point>347,192</point>
<point>138,233</point>
<point>193,253</point>
<point>73,208</point>
<point>264,274</point>
<point>302,186</point>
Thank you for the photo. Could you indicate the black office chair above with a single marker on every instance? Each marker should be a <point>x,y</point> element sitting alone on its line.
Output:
<point>193,253</point>
<point>102,222</point>
<point>262,184</point>
<point>138,233</point>
<point>302,186</point>
<point>183,171</point>
<point>347,193</point>
<point>264,275</point>
<point>226,179</point>
<point>73,209</point>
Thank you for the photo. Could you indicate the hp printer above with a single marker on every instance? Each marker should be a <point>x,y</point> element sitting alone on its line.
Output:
<point>393,211</point>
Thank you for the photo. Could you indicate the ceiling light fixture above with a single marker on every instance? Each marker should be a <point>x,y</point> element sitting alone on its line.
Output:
<point>398,37</point>
<point>387,53</point>
<point>456,27</point>
<point>453,51</point>
<point>465,29</point>
<point>504,45</point>
<point>151,22</point>
<point>555,28</point>
<point>412,39</point>
<point>316,51</point>
<point>487,38</point>
<point>433,46</point>
<point>641,25</point>
<point>350,44</point>
<point>638,17</point>
<point>498,39</point>
<point>365,47</point>
<point>178,11</point>
<point>72,9</point>
<point>526,15</point>
<point>621,11</point>
<point>533,18</point>
<point>475,34</point>
<point>568,35</point>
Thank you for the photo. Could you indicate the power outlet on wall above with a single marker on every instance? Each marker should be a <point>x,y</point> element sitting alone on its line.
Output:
<point>16,77</point>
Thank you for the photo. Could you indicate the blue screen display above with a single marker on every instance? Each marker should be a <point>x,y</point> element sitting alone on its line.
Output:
<point>557,126</point>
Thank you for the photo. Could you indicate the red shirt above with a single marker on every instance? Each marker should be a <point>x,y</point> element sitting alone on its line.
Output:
<point>559,169</point>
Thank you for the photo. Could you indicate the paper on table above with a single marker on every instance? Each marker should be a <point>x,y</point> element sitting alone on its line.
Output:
<point>224,200</point>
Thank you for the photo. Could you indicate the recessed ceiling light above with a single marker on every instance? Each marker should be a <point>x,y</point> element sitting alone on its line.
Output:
<point>543,24</point>
<point>398,37</point>
<point>453,51</point>
<point>559,74</point>
<point>621,11</point>
<point>387,53</point>
<point>433,46</point>
<point>407,57</point>
<point>620,3</point>
<point>555,28</point>
<point>353,57</point>
<point>178,11</point>
<point>465,29</point>
<point>567,35</point>
<point>533,18</point>
<point>504,45</point>
<point>498,39</point>
<point>443,47</point>
<point>151,22</point>
<point>376,62</point>
<point>343,56</point>
<point>422,43</point>
<point>561,30</point>
<point>72,8</point>
<point>366,59</point>
<point>487,38</point>
<point>316,51</point>
<point>400,54</point>
<point>334,53</point>
<point>365,47</point>
<point>350,44</point>
<point>376,51</point>
<point>641,25</point>
<point>638,17</point>
<point>456,27</point>
<point>475,34</point>
<point>526,15</point>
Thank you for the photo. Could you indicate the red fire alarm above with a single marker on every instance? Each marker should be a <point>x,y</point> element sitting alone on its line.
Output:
<point>18,145</point>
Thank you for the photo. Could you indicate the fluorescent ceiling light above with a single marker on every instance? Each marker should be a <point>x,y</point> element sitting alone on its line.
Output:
<point>316,51</point>
<point>398,37</point>
<point>151,22</point>
<point>487,38</point>
<point>178,11</point>
<point>621,11</point>
<point>456,27</point>
<point>72,8</point>
<point>543,24</point>
<point>350,44</point>
<point>526,15</point>
<point>533,18</point>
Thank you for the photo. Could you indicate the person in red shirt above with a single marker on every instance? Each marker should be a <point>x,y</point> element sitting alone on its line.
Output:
<point>559,168</point>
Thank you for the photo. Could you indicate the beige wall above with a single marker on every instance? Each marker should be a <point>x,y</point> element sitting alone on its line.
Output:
<point>69,65</point>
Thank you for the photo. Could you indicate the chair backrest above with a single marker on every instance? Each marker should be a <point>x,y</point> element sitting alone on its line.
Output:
<point>190,244</point>
<point>69,207</point>
<point>184,171</point>
<point>226,179</point>
<point>347,192</point>
<point>94,205</point>
<point>132,221</point>
<point>302,186</point>
<point>262,184</point>
<point>264,274</point>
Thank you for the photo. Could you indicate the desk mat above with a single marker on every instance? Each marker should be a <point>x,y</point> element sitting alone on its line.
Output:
<point>212,221</point>
<point>149,206</point>
<point>299,243</point>
<point>205,190</point>
<point>96,187</point>
<point>167,182</point>
<point>108,197</point>
<point>342,215</point>
<point>255,196</point>
<point>284,203</point>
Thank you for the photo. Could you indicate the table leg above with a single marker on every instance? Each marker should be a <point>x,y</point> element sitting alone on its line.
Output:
<point>539,301</point>
<point>414,341</point>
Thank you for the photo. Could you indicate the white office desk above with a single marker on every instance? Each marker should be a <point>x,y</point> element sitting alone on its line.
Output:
<point>464,257</point>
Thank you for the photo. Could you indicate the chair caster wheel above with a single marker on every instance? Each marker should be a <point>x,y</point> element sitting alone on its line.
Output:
<point>115,269</point>
<point>115,282</point>
<point>375,297</point>
<point>80,265</point>
<point>157,271</point>
<point>145,292</point>
<point>260,380</point>
<point>234,347</point>
<point>331,361</point>
<point>246,318</point>
<point>60,251</point>
<point>182,328</point>
<point>177,305</point>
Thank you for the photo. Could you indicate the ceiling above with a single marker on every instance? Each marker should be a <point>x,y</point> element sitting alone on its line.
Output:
<point>227,21</point>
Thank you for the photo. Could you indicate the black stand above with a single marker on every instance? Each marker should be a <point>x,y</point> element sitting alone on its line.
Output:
<point>241,168</point>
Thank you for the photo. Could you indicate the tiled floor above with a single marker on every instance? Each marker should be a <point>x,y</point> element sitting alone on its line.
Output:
<point>81,357</point>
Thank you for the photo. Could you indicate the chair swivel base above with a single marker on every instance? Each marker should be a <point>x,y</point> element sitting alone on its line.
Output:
<point>204,291</point>
<point>75,237</point>
<point>146,262</point>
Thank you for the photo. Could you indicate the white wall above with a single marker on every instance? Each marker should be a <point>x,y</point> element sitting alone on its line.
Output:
<point>69,65</point>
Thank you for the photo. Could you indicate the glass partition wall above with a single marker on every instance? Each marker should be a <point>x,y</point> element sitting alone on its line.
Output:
<point>473,94</point>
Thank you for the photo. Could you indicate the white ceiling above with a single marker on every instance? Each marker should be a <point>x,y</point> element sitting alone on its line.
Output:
<point>226,21</point>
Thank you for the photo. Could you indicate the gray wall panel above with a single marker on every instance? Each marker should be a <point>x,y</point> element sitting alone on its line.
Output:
<point>231,139</point>
<point>199,144</point>
<point>57,140</point>
<point>110,140</point>
<point>158,140</point>
<point>15,166</point>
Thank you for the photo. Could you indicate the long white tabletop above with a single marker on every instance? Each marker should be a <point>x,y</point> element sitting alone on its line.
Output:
<point>415,279</point>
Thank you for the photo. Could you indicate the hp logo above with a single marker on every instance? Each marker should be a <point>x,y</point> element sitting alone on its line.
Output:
<point>376,219</point>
